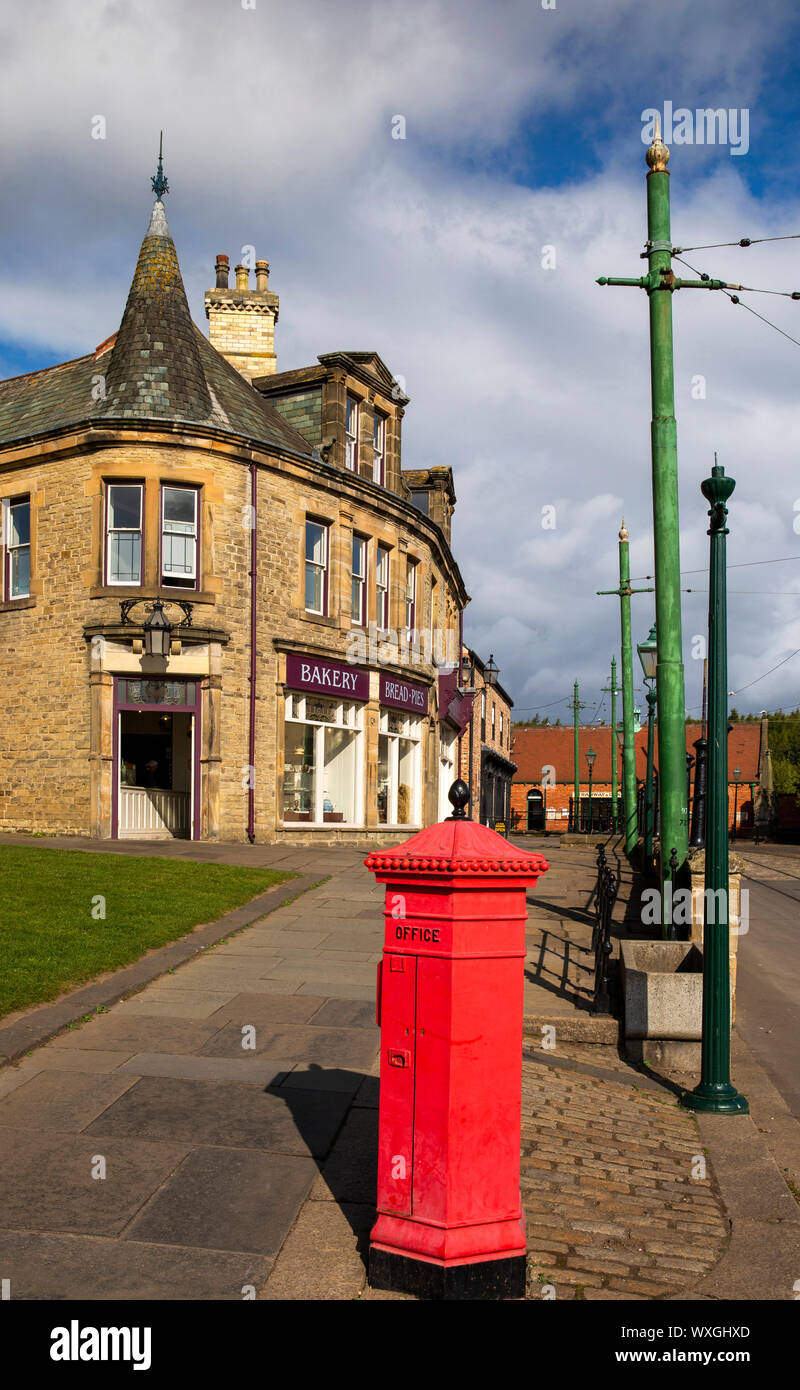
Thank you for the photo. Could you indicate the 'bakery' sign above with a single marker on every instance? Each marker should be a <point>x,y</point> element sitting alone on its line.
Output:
<point>326,677</point>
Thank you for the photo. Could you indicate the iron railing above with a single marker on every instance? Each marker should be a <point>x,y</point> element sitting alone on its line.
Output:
<point>605,897</point>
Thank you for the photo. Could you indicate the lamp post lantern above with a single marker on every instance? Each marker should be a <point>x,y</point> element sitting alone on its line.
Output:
<point>157,631</point>
<point>715,1093</point>
<point>590,757</point>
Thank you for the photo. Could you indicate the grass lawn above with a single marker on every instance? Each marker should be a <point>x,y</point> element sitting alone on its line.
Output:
<point>49,939</point>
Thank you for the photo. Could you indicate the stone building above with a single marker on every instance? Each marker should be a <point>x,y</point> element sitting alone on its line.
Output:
<point>486,761</point>
<point>224,613</point>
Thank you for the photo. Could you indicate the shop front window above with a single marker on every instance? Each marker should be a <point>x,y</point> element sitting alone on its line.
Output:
<point>398,768</point>
<point>322,761</point>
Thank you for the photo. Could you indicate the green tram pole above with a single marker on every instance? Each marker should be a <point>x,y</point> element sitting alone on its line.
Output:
<point>715,1092</point>
<point>624,592</point>
<point>660,284</point>
<point>669,673</point>
<point>613,689</point>
<point>576,795</point>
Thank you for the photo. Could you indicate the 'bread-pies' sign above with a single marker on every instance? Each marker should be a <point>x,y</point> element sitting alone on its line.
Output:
<point>404,695</point>
<point>326,677</point>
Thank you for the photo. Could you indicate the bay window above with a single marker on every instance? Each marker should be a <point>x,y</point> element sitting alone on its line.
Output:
<point>124,533</point>
<point>179,536</point>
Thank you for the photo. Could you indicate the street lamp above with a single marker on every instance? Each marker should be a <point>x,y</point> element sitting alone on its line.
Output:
<point>648,655</point>
<point>590,757</point>
<point>491,672</point>
<point>157,631</point>
<point>736,775</point>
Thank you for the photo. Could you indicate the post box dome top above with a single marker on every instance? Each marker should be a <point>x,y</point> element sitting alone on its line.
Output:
<point>457,846</point>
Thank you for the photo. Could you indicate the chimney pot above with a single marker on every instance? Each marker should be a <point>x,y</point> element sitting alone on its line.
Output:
<point>242,277</point>
<point>221,268</point>
<point>262,275</point>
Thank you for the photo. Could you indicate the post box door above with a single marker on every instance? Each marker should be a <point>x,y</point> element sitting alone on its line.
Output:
<point>398,1055</point>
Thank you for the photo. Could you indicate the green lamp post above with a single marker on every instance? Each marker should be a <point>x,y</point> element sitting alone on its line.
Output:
<point>715,1092</point>
<point>648,655</point>
<point>590,757</point>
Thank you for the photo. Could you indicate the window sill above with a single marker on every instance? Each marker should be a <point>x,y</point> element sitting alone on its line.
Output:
<point>145,592</point>
<point>307,617</point>
<point>8,605</point>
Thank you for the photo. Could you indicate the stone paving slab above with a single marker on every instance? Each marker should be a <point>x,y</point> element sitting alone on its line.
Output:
<point>118,1030</point>
<point>196,1004</point>
<point>346,1013</point>
<point>340,1047</point>
<point>321,1257</point>
<point>79,1267</point>
<point>64,1101</point>
<point>266,1010</point>
<point>223,1199</point>
<point>250,1070</point>
<point>46,1180</point>
<point>228,1114</point>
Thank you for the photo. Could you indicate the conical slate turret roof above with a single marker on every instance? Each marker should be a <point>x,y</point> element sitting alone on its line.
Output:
<point>161,368</point>
<point>155,370</point>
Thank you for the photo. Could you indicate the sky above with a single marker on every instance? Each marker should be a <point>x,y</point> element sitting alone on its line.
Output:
<point>465,253</point>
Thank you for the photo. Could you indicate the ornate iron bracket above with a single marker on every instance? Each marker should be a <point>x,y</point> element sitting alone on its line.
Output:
<point>126,604</point>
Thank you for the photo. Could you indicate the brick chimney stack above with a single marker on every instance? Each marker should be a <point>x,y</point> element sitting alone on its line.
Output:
<point>241,322</point>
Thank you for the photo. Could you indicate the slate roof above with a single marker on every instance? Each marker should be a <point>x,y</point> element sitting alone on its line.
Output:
<point>536,747</point>
<point>161,367</point>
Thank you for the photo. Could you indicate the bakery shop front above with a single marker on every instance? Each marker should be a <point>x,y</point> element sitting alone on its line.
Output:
<point>352,747</point>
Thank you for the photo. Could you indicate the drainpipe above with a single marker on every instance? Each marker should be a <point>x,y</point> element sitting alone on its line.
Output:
<point>251,805</point>
<point>460,649</point>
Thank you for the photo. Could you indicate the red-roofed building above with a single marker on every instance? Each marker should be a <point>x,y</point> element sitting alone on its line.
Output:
<point>542,790</point>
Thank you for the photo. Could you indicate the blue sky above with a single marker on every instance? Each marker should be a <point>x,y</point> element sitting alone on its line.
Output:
<point>523,130</point>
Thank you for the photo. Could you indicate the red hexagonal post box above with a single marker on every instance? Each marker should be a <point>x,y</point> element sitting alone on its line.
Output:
<point>450,1222</point>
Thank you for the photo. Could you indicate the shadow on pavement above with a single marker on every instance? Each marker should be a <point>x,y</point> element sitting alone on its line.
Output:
<point>348,1166</point>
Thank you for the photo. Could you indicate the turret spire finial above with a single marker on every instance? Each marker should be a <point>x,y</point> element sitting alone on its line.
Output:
<point>159,182</point>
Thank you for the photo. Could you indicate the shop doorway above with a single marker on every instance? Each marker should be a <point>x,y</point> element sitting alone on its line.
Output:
<point>155,763</point>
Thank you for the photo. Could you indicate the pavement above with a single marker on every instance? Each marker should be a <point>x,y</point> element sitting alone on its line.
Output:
<point>212,1134</point>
